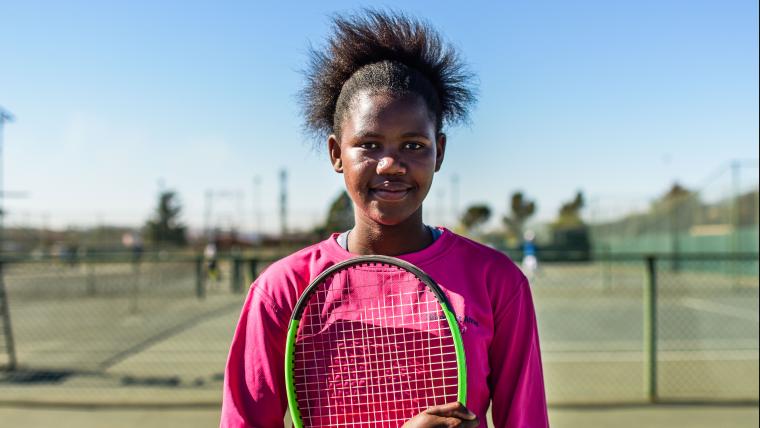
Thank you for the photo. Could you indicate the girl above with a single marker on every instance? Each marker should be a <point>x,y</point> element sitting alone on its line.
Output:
<point>380,95</point>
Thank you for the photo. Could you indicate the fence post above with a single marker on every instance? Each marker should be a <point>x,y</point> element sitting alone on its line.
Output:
<point>235,284</point>
<point>606,268</point>
<point>650,329</point>
<point>134,306</point>
<point>90,269</point>
<point>5,317</point>
<point>253,268</point>
<point>200,290</point>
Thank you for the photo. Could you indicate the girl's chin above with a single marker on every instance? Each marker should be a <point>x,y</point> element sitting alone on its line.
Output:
<point>385,218</point>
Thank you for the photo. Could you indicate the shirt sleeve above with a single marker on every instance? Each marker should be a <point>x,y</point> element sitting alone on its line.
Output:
<point>516,382</point>
<point>254,385</point>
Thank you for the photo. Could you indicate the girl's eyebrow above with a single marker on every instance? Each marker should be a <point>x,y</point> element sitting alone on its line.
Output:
<point>415,135</point>
<point>369,134</point>
<point>375,135</point>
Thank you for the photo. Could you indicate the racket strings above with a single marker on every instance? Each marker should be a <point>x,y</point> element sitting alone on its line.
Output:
<point>374,349</point>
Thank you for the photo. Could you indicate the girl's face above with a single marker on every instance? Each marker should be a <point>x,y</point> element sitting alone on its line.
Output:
<point>387,153</point>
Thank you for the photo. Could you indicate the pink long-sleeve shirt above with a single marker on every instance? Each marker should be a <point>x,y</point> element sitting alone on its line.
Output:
<point>488,293</point>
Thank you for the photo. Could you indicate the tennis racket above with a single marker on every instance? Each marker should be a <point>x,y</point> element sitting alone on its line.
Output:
<point>373,341</point>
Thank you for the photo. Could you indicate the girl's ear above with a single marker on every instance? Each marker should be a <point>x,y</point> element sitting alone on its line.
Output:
<point>440,150</point>
<point>333,146</point>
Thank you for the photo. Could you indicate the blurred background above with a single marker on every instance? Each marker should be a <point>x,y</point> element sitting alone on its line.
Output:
<point>152,163</point>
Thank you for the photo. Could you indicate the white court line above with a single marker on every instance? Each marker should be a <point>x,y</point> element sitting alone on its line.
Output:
<point>585,345</point>
<point>584,357</point>
<point>636,345</point>
<point>717,308</point>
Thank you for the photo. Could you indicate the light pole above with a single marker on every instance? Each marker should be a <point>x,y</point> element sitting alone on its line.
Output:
<point>455,199</point>
<point>5,116</point>
<point>257,206</point>
<point>5,319</point>
<point>283,203</point>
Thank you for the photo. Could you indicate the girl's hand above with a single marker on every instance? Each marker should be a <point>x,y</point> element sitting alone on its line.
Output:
<point>449,415</point>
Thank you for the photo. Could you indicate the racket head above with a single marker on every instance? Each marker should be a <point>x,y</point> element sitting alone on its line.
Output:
<point>373,335</point>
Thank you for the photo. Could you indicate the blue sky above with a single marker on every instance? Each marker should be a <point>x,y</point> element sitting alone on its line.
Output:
<point>617,99</point>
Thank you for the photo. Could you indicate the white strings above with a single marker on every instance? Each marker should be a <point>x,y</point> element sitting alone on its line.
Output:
<point>373,350</point>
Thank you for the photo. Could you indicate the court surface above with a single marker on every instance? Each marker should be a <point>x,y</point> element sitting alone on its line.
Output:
<point>120,338</point>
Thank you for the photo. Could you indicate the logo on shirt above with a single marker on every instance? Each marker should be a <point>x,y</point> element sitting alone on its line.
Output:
<point>463,321</point>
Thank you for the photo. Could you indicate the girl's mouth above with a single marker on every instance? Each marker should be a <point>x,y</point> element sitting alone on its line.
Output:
<point>389,195</point>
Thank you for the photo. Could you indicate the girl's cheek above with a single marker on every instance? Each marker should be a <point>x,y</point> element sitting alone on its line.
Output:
<point>364,163</point>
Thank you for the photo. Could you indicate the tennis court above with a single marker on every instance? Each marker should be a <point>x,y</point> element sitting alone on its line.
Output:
<point>125,333</point>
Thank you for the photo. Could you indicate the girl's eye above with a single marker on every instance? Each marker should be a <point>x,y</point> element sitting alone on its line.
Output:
<point>413,145</point>
<point>369,145</point>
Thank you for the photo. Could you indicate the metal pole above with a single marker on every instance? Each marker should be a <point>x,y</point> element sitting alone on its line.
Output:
<point>6,320</point>
<point>236,285</point>
<point>607,267</point>
<point>200,289</point>
<point>650,330</point>
<point>90,268</point>
<point>240,226</point>
<point>207,213</point>
<point>5,116</point>
<point>256,205</point>
<point>735,220</point>
<point>283,203</point>
<point>253,268</point>
<point>673,223</point>
<point>455,198</point>
<point>439,210</point>
<point>134,305</point>
<point>735,206</point>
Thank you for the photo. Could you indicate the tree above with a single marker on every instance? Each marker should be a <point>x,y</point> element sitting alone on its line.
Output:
<point>679,206</point>
<point>165,227</point>
<point>521,209</point>
<point>570,213</point>
<point>340,216</point>
<point>475,216</point>
<point>569,230</point>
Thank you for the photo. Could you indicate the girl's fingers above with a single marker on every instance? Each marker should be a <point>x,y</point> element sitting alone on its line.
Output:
<point>426,420</point>
<point>455,409</point>
<point>446,415</point>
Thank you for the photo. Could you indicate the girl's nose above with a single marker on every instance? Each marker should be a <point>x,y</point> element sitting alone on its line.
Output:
<point>388,165</point>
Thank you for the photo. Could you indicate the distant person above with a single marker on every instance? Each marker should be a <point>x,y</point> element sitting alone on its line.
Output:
<point>529,261</point>
<point>134,244</point>
<point>212,263</point>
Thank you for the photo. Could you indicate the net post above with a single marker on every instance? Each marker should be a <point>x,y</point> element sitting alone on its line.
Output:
<point>200,291</point>
<point>650,329</point>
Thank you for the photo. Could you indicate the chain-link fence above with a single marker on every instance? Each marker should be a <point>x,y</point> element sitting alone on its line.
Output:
<point>120,326</point>
<point>622,329</point>
<point>636,328</point>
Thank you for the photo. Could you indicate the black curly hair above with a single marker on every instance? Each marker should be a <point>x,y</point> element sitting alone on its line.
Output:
<point>384,51</point>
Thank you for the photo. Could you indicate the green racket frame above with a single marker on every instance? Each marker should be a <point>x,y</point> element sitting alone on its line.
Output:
<point>295,320</point>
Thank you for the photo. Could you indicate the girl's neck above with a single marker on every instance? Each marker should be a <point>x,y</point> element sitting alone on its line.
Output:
<point>369,237</point>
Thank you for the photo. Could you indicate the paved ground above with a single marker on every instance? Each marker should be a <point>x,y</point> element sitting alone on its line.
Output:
<point>621,417</point>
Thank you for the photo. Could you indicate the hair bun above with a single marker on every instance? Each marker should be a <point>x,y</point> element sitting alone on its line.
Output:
<point>373,37</point>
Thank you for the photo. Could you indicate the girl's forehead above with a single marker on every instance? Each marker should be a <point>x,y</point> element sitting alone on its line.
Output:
<point>388,108</point>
